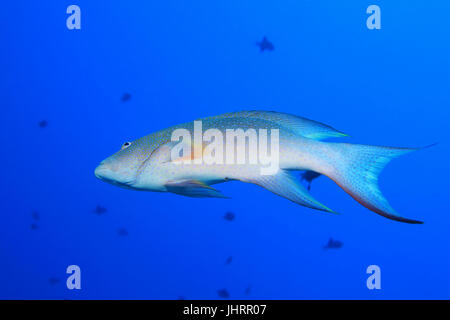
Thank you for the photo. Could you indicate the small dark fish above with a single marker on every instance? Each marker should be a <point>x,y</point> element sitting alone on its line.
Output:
<point>181,298</point>
<point>126,97</point>
<point>229,216</point>
<point>333,244</point>
<point>122,232</point>
<point>309,176</point>
<point>248,290</point>
<point>53,281</point>
<point>223,293</point>
<point>229,259</point>
<point>43,123</point>
<point>35,215</point>
<point>34,226</point>
<point>100,210</point>
<point>265,45</point>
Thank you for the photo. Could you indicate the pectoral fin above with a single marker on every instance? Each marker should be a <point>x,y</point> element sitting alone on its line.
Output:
<point>162,154</point>
<point>193,188</point>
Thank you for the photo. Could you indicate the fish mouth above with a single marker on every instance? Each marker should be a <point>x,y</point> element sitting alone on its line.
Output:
<point>104,173</point>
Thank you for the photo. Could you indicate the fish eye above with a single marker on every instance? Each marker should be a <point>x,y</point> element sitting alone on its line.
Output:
<point>125,145</point>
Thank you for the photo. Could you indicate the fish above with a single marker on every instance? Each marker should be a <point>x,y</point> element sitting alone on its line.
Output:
<point>229,260</point>
<point>99,210</point>
<point>125,97</point>
<point>229,216</point>
<point>122,232</point>
<point>265,45</point>
<point>148,163</point>
<point>333,244</point>
<point>248,289</point>
<point>43,123</point>
<point>309,176</point>
<point>35,215</point>
<point>223,293</point>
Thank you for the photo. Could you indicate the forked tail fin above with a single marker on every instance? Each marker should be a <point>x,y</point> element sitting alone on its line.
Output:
<point>355,169</point>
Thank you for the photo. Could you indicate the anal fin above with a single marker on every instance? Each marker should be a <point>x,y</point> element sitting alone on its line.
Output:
<point>287,186</point>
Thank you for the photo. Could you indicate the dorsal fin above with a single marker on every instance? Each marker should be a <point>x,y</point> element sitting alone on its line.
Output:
<point>302,126</point>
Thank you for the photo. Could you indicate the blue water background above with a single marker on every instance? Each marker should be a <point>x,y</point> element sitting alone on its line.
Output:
<point>183,60</point>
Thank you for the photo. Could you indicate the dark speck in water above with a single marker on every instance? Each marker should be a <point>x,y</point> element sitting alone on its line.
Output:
<point>333,244</point>
<point>265,45</point>
<point>229,216</point>
<point>126,97</point>
<point>43,123</point>
<point>100,210</point>
<point>248,290</point>
<point>223,293</point>
<point>35,215</point>
<point>229,260</point>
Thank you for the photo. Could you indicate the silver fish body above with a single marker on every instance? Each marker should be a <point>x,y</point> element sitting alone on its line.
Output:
<point>147,164</point>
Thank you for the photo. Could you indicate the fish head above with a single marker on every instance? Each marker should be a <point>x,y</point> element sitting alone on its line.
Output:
<point>123,167</point>
<point>138,165</point>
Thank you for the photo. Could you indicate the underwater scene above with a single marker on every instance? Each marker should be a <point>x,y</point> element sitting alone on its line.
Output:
<point>316,167</point>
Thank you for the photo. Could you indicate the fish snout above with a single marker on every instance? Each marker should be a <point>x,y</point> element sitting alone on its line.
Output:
<point>109,172</point>
<point>103,171</point>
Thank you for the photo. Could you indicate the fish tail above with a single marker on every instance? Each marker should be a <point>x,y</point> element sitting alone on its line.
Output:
<point>355,168</point>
